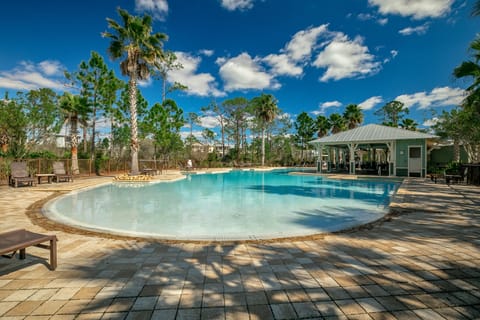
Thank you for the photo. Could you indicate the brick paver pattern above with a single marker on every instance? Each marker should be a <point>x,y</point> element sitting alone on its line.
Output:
<point>422,263</point>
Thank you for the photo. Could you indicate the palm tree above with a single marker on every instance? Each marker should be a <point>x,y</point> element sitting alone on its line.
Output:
<point>471,69</point>
<point>323,126</point>
<point>476,9</point>
<point>143,52</point>
<point>353,115</point>
<point>266,110</point>
<point>409,124</point>
<point>76,110</point>
<point>337,123</point>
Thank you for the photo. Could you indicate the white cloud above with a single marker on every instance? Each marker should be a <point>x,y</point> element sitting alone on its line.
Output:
<point>418,9</point>
<point>51,68</point>
<point>370,102</point>
<point>393,54</point>
<point>281,64</point>
<point>30,76</point>
<point>383,21</point>
<point>345,58</point>
<point>201,84</point>
<point>209,121</point>
<point>207,52</point>
<point>196,133</point>
<point>365,16</point>
<point>438,97</point>
<point>233,5</point>
<point>157,8</point>
<point>242,72</point>
<point>303,42</point>
<point>325,105</point>
<point>329,104</point>
<point>369,16</point>
<point>430,122</point>
<point>418,30</point>
<point>296,53</point>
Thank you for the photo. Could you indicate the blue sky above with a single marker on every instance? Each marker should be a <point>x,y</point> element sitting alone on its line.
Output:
<point>313,56</point>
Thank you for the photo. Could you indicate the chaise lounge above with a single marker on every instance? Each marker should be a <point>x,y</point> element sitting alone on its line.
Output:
<point>60,172</point>
<point>19,174</point>
<point>19,240</point>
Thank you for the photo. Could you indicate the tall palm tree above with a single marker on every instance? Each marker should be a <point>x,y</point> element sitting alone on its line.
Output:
<point>471,69</point>
<point>266,110</point>
<point>353,115</point>
<point>76,110</point>
<point>323,126</point>
<point>476,9</point>
<point>142,52</point>
<point>337,123</point>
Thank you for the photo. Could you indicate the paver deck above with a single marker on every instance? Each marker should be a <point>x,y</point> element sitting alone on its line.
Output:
<point>421,263</point>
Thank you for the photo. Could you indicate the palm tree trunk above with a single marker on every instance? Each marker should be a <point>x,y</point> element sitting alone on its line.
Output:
<point>4,142</point>
<point>456,150</point>
<point>263,147</point>
<point>74,146</point>
<point>223,139</point>
<point>132,88</point>
<point>84,129</point>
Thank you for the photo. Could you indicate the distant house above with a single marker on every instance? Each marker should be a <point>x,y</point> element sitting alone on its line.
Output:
<point>398,151</point>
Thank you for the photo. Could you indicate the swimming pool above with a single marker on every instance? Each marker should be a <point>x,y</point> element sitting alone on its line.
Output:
<point>229,206</point>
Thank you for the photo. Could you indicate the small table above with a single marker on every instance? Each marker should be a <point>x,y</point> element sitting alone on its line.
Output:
<point>49,177</point>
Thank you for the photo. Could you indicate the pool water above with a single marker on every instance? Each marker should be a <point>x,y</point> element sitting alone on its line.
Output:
<point>227,206</point>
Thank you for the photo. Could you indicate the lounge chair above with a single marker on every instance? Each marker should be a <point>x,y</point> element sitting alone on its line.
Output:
<point>60,172</point>
<point>19,174</point>
<point>20,239</point>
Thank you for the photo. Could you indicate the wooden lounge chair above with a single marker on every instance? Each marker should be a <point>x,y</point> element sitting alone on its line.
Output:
<point>19,174</point>
<point>20,239</point>
<point>60,172</point>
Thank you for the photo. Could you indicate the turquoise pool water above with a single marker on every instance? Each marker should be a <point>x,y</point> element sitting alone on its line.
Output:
<point>235,205</point>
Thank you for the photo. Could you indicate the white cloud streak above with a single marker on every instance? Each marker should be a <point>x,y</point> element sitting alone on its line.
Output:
<point>31,76</point>
<point>232,5</point>
<point>411,30</point>
<point>438,97</point>
<point>157,8</point>
<point>370,103</point>
<point>418,9</point>
<point>325,105</point>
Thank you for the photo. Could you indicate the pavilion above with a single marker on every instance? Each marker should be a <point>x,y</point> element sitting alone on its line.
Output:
<point>401,152</point>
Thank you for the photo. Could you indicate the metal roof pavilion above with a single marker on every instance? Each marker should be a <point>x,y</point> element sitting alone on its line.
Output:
<point>374,136</point>
<point>371,133</point>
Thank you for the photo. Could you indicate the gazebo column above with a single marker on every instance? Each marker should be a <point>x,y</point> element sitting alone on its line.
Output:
<point>352,147</point>
<point>320,158</point>
<point>329,160</point>
<point>391,159</point>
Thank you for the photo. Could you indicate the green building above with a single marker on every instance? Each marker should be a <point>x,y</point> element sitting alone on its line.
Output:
<point>377,149</point>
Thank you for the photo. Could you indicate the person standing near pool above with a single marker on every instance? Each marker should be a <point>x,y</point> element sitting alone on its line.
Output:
<point>189,164</point>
